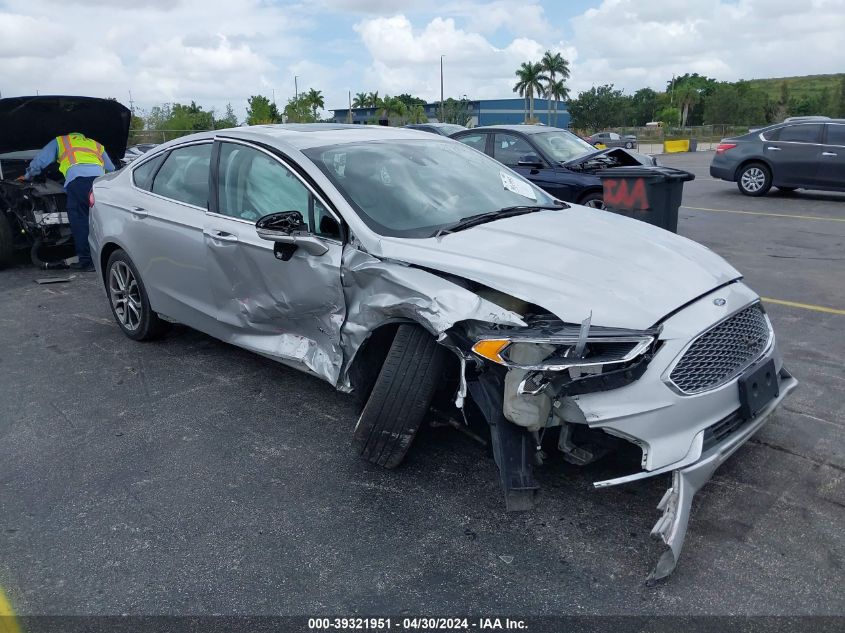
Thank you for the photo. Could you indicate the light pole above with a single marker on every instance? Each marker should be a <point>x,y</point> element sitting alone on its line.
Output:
<point>295,88</point>
<point>441,88</point>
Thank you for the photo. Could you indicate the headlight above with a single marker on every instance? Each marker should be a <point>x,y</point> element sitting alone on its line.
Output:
<point>557,353</point>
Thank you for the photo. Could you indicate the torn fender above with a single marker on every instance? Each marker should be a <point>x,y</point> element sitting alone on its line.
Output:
<point>378,291</point>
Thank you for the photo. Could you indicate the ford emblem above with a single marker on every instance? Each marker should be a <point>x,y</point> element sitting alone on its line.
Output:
<point>719,301</point>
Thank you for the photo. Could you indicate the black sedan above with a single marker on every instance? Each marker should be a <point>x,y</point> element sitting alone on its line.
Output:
<point>806,154</point>
<point>553,159</point>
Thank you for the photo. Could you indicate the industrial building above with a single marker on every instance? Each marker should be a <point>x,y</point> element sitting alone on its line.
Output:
<point>482,112</point>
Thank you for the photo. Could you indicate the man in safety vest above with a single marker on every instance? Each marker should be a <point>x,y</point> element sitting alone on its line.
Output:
<point>81,160</point>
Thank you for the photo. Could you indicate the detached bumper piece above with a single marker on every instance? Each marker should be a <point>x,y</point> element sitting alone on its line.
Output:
<point>686,481</point>
<point>513,446</point>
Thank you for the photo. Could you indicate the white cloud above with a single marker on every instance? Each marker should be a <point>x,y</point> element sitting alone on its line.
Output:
<point>634,44</point>
<point>408,60</point>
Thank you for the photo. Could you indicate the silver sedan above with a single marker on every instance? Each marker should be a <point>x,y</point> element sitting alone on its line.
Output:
<point>417,274</point>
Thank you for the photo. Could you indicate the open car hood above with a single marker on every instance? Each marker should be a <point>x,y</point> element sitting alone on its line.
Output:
<point>28,123</point>
<point>624,157</point>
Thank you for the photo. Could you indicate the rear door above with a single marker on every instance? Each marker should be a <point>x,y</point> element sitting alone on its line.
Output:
<point>166,208</point>
<point>795,153</point>
<point>832,161</point>
<point>289,310</point>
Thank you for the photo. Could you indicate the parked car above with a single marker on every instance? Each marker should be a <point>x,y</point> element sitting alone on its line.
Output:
<point>612,139</point>
<point>807,154</point>
<point>136,151</point>
<point>418,274</point>
<point>554,159</point>
<point>444,129</point>
<point>32,214</point>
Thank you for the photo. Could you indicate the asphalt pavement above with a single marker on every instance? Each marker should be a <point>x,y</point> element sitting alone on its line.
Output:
<point>186,476</point>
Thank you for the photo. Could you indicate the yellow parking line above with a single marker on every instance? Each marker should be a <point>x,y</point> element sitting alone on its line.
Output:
<point>774,215</point>
<point>8,621</point>
<point>804,306</point>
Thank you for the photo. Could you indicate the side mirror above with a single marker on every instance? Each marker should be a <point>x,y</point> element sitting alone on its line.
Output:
<point>530,160</point>
<point>289,232</point>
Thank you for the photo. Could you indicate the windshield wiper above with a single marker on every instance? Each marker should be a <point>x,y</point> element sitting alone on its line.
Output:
<point>490,216</point>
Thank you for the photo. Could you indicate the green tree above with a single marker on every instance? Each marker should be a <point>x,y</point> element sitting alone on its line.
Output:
<point>261,110</point>
<point>599,107</point>
<point>299,110</point>
<point>227,120</point>
<point>456,111</point>
<point>738,104</point>
<point>803,105</point>
<point>416,114</point>
<point>372,100</point>
<point>686,96</point>
<point>838,108</point>
<point>361,100</point>
<point>554,64</point>
<point>315,100</point>
<point>530,82</point>
<point>669,115</point>
<point>410,101</point>
<point>643,106</point>
<point>682,86</point>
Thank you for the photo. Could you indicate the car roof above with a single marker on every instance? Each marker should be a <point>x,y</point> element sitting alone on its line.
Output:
<point>524,128</point>
<point>306,135</point>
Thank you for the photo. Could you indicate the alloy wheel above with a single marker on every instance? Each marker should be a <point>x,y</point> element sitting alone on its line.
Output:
<point>125,295</point>
<point>753,179</point>
<point>596,203</point>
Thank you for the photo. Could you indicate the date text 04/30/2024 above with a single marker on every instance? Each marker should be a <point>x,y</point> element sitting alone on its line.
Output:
<point>416,624</point>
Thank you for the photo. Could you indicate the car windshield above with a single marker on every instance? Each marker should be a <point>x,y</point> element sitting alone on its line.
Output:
<point>413,188</point>
<point>562,145</point>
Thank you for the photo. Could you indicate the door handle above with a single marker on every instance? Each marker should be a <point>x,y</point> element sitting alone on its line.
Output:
<point>139,212</point>
<point>774,149</point>
<point>221,236</point>
<point>829,154</point>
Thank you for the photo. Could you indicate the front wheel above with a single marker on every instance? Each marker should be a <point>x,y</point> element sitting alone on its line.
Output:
<point>400,398</point>
<point>629,145</point>
<point>593,200</point>
<point>130,304</point>
<point>754,179</point>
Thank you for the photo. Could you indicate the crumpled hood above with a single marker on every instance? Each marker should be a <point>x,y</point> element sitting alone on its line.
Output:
<point>626,156</point>
<point>576,261</point>
<point>28,123</point>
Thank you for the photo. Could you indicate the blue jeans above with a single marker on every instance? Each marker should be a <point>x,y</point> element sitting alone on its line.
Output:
<point>77,207</point>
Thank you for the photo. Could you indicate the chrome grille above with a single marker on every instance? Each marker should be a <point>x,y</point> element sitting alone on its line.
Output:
<point>722,352</point>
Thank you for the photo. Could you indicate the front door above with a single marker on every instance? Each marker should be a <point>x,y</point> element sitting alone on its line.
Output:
<point>510,149</point>
<point>795,154</point>
<point>289,310</point>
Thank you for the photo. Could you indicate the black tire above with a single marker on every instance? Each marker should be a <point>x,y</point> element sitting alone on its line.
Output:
<point>400,398</point>
<point>149,326</point>
<point>7,247</point>
<point>754,179</point>
<point>593,200</point>
<point>629,145</point>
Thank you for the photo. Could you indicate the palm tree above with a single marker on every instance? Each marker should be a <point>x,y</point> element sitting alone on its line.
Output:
<point>688,96</point>
<point>315,99</point>
<point>392,106</point>
<point>360,100</point>
<point>557,91</point>
<point>531,79</point>
<point>554,64</point>
<point>373,100</point>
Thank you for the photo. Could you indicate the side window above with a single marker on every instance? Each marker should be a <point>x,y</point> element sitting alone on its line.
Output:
<point>184,175</point>
<point>476,141</point>
<point>252,184</point>
<point>142,176</point>
<point>836,135</point>
<point>801,133</point>
<point>772,135</point>
<point>509,149</point>
<point>614,136</point>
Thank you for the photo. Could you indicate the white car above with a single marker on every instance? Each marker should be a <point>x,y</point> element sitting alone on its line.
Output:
<point>413,270</point>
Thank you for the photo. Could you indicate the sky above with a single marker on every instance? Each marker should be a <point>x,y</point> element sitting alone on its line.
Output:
<point>222,51</point>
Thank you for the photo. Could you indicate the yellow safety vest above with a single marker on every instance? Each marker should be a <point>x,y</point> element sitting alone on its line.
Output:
<point>77,149</point>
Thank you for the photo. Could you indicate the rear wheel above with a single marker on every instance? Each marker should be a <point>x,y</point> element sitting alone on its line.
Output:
<point>7,249</point>
<point>629,145</point>
<point>594,200</point>
<point>400,398</point>
<point>754,179</point>
<point>129,302</point>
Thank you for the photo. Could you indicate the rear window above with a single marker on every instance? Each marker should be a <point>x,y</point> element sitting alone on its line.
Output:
<point>142,175</point>
<point>807,133</point>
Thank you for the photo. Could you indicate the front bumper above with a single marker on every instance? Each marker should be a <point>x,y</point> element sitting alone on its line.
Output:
<point>676,503</point>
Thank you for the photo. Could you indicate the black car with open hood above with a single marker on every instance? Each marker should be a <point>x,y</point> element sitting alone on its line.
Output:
<point>32,214</point>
